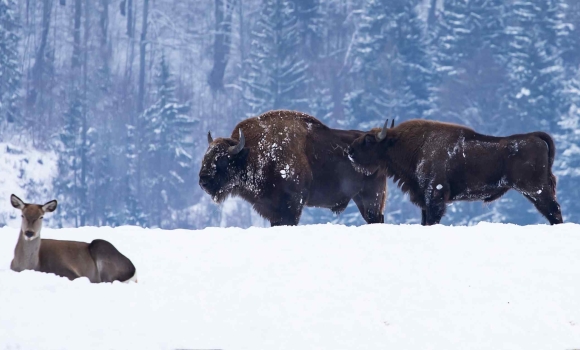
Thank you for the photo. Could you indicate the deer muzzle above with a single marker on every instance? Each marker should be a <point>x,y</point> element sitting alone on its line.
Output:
<point>29,235</point>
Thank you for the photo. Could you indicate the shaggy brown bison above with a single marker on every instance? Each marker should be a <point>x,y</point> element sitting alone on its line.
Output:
<point>438,163</point>
<point>282,161</point>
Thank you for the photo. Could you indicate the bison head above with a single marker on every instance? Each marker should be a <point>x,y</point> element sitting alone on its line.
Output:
<point>222,165</point>
<point>365,152</point>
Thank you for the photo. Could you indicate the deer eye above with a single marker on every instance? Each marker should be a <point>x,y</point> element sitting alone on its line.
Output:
<point>21,216</point>
<point>42,217</point>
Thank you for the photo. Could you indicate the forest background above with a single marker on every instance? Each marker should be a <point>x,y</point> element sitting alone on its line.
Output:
<point>124,92</point>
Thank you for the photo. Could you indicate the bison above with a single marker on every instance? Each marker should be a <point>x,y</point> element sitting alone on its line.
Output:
<point>438,163</point>
<point>282,161</point>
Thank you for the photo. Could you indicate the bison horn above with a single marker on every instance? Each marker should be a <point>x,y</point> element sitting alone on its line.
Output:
<point>393,123</point>
<point>238,148</point>
<point>209,138</point>
<point>381,136</point>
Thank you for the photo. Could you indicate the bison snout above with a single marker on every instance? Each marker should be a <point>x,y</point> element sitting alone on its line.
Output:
<point>204,180</point>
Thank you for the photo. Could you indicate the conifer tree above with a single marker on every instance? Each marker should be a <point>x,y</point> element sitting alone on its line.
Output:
<point>391,69</point>
<point>132,211</point>
<point>67,183</point>
<point>276,75</point>
<point>166,132</point>
<point>533,39</point>
<point>10,74</point>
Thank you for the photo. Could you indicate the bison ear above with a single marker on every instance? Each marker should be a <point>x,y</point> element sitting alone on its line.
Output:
<point>209,138</point>
<point>16,202</point>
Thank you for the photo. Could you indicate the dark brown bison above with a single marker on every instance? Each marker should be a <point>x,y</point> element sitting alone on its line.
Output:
<point>282,161</point>
<point>438,163</point>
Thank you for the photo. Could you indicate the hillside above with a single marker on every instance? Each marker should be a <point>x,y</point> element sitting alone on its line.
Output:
<point>488,286</point>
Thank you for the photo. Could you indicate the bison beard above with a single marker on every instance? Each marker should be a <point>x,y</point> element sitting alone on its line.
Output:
<point>438,163</point>
<point>282,161</point>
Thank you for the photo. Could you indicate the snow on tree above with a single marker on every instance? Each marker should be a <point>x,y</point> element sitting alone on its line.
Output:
<point>10,74</point>
<point>275,75</point>
<point>567,162</point>
<point>67,184</point>
<point>534,35</point>
<point>392,70</point>
<point>132,210</point>
<point>165,138</point>
<point>464,44</point>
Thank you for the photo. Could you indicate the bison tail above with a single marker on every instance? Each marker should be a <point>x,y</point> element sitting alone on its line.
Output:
<point>551,154</point>
<point>551,147</point>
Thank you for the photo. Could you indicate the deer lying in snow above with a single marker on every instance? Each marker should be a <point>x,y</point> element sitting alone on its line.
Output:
<point>99,261</point>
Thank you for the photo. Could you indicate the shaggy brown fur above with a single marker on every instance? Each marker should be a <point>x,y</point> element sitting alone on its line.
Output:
<point>438,163</point>
<point>290,160</point>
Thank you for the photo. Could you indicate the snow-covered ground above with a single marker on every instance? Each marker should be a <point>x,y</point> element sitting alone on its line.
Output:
<point>489,286</point>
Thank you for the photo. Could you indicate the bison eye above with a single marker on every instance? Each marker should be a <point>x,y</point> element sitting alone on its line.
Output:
<point>222,162</point>
<point>369,140</point>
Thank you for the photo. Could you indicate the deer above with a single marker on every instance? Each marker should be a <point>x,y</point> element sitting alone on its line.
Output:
<point>99,260</point>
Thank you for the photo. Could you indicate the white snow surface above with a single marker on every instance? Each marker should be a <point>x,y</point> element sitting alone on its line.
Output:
<point>489,286</point>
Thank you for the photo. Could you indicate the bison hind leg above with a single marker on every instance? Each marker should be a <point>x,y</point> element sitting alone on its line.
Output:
<point>547,205</point>
<point>111,264</point>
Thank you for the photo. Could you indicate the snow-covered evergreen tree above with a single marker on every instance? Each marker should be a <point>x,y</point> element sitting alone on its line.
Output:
<point>132,210</point>
<point>10,74</point>
<point>533,38</point>
<point>392,70</point>
<point>166,132</point>
<point>567,162</point>
<point>67,184</point>
<point>465,43</point>
<point>464,28</point>
<point>275,75</point>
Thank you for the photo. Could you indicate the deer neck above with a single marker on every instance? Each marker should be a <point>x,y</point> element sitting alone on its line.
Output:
<point>26,254</point>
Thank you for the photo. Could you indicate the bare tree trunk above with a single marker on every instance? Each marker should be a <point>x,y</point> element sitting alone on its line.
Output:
<point>104,27</point>
<point>141,95</point>
<point>142,53</point>
<point>84,127</point>
<point>38,68</point>
<point>130,13</point>
<point>76,54</point>
<point>432,13</point>
<point>222,41</point>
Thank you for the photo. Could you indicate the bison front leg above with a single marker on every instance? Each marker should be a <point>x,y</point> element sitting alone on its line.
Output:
<point>435,199</point>
<point>288,210</point>
<point>423,217</point>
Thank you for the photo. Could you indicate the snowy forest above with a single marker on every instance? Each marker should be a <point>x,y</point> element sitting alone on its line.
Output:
<point>123,92</point>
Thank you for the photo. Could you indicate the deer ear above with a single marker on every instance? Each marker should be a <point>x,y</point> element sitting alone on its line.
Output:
<point>49,206</point>
<point>16,202</point>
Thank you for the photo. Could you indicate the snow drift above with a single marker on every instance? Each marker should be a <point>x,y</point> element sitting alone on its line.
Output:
<point>489,286</point>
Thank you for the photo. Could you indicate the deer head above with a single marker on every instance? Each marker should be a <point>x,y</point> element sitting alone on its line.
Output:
<point>32,215</point>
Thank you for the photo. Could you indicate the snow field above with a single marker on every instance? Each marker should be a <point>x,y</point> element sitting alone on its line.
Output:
<point>490,286</point>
